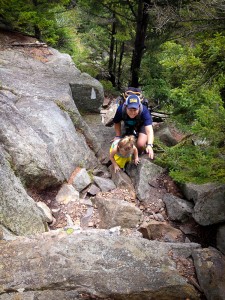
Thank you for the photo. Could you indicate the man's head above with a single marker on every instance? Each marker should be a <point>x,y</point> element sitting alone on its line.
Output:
<point>133,101</point>
<point>132,105</point>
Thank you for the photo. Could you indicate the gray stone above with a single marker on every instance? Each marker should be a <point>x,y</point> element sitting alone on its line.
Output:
<point>115,212</point>
<point>104,184</point>
<point>193,192</point>
<point>141,174</point>
<point>121,179</point>
<point>210,207</point>
<point>93,190</point>
<point>42,295</point>
<point>99,265</point>
<point>66,194</point>
<point>6,234</point>
<point>178,209</point>
<point>37,97</point>
<point>109,115</point>
<point>81,180</point>
<point>18,212</point>
<point>161,231</point>
<point>43,152</point>
<point>164,134</point>
<point>210,268</point>
<point>220,238</point>
<point>46,211</point>
<point>104,134</point>
<point>87,93</point>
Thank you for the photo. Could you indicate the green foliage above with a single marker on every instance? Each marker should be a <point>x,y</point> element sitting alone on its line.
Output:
<point>155,84</point>
<point>209,124</point>
<point>108,88</point>
<point>196,77</point>
<point>35,17</point>
<point>189,163</point>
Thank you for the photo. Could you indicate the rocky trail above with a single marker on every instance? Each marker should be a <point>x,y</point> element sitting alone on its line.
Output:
<point>105,135</point>
<point>151,211</point>
<point>96,222</point>
<point>83,215</point>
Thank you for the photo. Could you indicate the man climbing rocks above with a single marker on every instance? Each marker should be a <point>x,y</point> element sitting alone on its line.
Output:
<point>137,121</point>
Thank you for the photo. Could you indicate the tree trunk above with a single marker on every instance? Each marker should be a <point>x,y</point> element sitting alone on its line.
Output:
<point>120,66</point>
<point>37,31</point>
<point>111,53</point>
<point>139,46</point>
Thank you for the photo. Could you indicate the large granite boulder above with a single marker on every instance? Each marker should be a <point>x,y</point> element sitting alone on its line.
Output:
<point>38,115</point>
<point>42,141</point>
<point>163,133</point>
<point>67,264</point>
<point>42,131</point>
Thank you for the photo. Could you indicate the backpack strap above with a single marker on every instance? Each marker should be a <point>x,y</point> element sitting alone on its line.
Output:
<point>133,91</point>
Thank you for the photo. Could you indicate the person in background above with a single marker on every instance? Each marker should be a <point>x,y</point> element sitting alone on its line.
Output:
<point>122,151</point>
<point>137,121</point>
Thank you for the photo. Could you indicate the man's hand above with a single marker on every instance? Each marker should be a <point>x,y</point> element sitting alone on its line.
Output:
<point>150,151</point>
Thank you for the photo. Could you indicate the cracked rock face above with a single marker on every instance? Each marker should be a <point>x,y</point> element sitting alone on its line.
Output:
<point>41,127</point>
<point>98,264</point>
<point>37,130</point>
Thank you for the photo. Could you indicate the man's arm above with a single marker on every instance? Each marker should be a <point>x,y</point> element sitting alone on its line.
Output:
<point>150,140</point>
<point>117,127</point>
<point>117,122</point>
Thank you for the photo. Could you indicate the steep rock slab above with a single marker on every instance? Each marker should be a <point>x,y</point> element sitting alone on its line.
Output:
<point>104,134</point>
<point>96,264</point>
<point>42,141</point>
<point>55,73</point>
<point>25,77</point>
<point>18,211</point>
